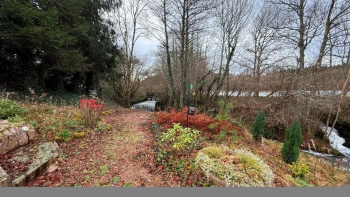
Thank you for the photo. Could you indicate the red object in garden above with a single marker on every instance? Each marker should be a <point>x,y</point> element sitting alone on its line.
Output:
<point>90,103</point>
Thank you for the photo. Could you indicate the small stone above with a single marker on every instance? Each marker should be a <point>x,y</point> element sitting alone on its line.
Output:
<point>52,168</point>
<point>25,128</point>
<point>60,160</point>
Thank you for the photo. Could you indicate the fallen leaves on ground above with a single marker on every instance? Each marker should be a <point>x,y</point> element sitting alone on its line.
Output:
<point>122,157</point>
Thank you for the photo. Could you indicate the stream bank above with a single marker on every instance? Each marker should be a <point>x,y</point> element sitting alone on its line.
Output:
<point>337,142</point>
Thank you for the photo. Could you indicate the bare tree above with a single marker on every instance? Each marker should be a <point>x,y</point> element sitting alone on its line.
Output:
<point>161,10</point>
<point>265,47</point>
<point>333,15</point>
<point>336,14</point>
<point>128,18</point>
<point>297,25</point>
<point>231,18</point>
<point>339,42</point>
<point>180,20</point>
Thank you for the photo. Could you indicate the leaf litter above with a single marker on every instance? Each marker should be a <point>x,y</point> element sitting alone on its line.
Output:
<point>122,157</point>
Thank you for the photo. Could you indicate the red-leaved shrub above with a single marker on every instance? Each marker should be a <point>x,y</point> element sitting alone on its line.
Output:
<point>91,103</point>
<point>199,121</point>
<point>90,112</point>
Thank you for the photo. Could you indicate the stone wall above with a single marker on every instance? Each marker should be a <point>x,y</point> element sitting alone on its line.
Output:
<point>14,135</point>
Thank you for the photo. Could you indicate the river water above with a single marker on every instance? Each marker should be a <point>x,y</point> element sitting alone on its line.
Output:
<point>280,93</point>
<point>336,143</point>
<point>146,105</point>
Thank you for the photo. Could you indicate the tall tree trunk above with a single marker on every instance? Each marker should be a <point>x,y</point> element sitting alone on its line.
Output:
<point>323,47</point>
<point>301,59</point>
<point>168,59</point>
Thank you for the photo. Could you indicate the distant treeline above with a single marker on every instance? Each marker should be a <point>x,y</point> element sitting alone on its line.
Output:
<point>327,78</point>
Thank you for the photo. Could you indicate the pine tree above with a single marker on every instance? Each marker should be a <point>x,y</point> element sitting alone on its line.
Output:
<point>293,138</point>
<point>54,45</point>
<point>259,125</point>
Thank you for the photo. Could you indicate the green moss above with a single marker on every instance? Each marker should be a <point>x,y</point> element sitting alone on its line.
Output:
<point>248,161</point>
<point>213,152</point>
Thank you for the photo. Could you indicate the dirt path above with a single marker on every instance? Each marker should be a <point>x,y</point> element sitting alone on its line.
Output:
<point>123,156</point>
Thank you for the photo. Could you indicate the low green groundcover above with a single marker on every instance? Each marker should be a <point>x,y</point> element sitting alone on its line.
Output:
<point>238,168</point>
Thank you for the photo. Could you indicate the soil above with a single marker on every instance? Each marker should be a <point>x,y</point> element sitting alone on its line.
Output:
<point>121,157</point>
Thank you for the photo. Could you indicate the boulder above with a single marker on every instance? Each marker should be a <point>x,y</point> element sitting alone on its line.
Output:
<point>46,154</point>
<point>38,156</point>
<point>32,159</point>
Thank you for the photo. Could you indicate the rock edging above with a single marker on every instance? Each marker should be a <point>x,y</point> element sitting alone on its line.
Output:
<point>38,156</point>
<point>14,136</point>
<point>19,149</point>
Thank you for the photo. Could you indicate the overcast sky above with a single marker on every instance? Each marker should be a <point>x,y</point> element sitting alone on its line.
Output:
<point>145,46</point>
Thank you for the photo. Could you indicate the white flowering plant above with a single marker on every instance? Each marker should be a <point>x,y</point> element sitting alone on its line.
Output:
<point>238,168</point>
